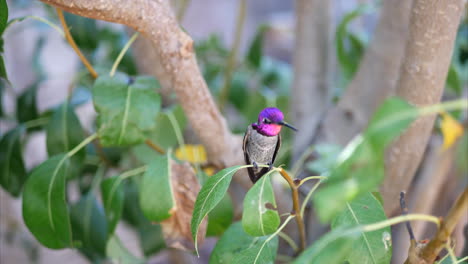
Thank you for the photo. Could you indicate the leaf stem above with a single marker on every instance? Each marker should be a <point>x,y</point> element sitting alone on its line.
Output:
<point>36,122</point>
<point>122,53</point>
<point>298,164</point>
<point>133,172</point>
<point>154,146</point>
<point>288,240</point>
<point>83,143</point>
<point>72,43</point>
<point>400,219</point>
<point>296,207</point>
<point>306,200</point>
<point>231,63</point>
<point>311,178</point>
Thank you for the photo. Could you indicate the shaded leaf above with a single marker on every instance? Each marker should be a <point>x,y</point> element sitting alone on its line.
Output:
<point>220,218</point>
<point>254,55</point>
<point>453,80</point>
<point>259,217</point>
<point>211,193</point>
<point>3,16</point>
<point>236,246</point>
<point>89,227</point>
<point>185,187</point>
<point>127,108</point>
<point>3,73</point>
<point>327,158</point>
<point>369,247</point>
<point>45,210</point>
<point>84,31</point>
<point>333,247</point>
<point>151,238</point>
<point>12,171</point>
<point>157,199</point>
<point>118,253</point>
<point>26,108</point>
<point>112,198</point>
<point>360,166</point>
<point>64,132</point>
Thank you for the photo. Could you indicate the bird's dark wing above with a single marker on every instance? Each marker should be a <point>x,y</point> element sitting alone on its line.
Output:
<point>278,146</point>
<point>250,170</point>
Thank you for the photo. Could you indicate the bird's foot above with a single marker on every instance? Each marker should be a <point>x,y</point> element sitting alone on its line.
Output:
<point>255,165</point>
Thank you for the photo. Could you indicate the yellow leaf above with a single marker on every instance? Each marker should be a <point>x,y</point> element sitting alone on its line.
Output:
<point>451,129</point>
<point>194,154</point>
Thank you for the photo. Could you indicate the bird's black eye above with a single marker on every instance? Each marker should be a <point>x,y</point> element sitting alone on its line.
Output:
<point>266,121</point>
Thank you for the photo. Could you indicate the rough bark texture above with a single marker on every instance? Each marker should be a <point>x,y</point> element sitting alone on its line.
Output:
<point>376,76</point>
<point>432,32</point>
<point>309,90</point>
<point>156,21</point>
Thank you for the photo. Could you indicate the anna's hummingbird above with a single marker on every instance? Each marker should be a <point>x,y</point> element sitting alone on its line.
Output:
<point>262,141</point>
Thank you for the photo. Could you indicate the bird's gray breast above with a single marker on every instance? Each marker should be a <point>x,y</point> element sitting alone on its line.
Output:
<point>261,148</point>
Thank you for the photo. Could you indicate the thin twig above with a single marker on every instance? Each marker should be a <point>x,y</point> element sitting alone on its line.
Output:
<point>404,211</point>
<point>154,146</point>
<point>430,252</point>
<point>231,63</point>
<point>122,53</point>
<point>296,207</point>
<point>72,43</point>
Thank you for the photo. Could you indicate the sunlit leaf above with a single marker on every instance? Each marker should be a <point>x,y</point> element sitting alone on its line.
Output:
<point>236,246</point>
<point>12,171</point>
<point>333,247</point>
<point>112,199</point>
<point>360,166</point>
<point>127,108</point>
<point>369,247</point>
<point>211,193</point>
<point>45,210</point>
<point>260,216</point>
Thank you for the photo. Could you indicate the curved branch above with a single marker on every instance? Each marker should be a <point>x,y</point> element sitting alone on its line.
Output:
<point>156,21</point>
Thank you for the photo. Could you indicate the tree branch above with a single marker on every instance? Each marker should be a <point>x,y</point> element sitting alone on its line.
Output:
<point>156,21</point>
<point>432,32</point>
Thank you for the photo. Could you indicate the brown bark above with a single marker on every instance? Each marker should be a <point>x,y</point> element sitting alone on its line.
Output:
<point>432,32</point>
<point>156,21</point>
<point>375,78</point>
<point>311,52</point>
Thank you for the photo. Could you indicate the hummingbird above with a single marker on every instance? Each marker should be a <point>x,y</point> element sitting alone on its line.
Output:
<point>262,141</point>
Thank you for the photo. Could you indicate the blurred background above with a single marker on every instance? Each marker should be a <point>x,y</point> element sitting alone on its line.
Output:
<point>41,68</point>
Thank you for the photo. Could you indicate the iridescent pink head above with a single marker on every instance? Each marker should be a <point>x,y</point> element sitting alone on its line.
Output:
<point>270,121</point>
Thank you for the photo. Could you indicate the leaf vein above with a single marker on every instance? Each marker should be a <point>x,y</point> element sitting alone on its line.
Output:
<point>363,234</point>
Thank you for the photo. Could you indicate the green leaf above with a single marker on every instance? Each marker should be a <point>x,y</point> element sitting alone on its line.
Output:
<point>453,80</point>
<point>236,246</point>
<point>211,193</point>
<point>370,247</point>
<point>254,55</point>
<point>151,238</point>
<point>12,171</point>
<point>45,210</point>
<point>127,109</point>
<point>333,247</point>
<point>3,16</point>
<point>349,48</point>
<point>89,227</point>
<point>64,132</point>
<point>259,217</point>
<point>84,31</point>
<point>360,166</point>
<point>3,73</point>
<point>26,108</point>
<point>112,198</point>
<point>118,253</point>
<point>156,194</point>
<point>327,158</point>
<point>220,218</point>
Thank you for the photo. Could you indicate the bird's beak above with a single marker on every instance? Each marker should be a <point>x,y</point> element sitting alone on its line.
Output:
<point>287,125</point>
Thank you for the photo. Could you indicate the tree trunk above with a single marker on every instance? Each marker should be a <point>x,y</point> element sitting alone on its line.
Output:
<point>432,32</point>
<point>310,94</point>
<point>375,78</point>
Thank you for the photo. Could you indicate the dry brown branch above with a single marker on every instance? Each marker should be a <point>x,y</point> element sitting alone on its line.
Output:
<point>310,94</point>
<point>376,77</point>
<point>156,21</point>
<point>432,32</point>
